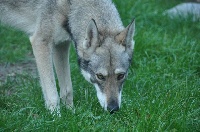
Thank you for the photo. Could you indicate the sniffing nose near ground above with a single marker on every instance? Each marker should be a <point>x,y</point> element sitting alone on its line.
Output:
<point>113,106</point>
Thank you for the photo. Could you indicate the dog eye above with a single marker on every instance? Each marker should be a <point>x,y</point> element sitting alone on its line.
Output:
<point>120,76</point>
<point>101,77</point>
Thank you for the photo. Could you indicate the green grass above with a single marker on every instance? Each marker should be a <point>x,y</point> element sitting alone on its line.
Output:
<point>14,45</point>
<point>162,91</point>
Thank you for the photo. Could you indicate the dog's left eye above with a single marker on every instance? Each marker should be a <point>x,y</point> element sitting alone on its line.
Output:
<point>120,76</point>
<point>101,77</point>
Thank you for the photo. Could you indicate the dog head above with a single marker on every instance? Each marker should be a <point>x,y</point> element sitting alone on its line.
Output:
<point>104,61</point>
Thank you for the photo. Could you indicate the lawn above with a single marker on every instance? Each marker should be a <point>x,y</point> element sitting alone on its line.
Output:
<point>161,93</point>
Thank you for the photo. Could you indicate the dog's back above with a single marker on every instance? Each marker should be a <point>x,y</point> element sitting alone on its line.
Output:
<point>26,14</point>
<point>20,14</point>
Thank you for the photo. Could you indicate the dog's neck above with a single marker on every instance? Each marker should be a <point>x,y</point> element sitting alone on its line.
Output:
<point>104,13</point>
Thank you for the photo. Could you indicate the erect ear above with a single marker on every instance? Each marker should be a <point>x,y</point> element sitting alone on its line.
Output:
<point>91,38</point>
<point>126,37</point>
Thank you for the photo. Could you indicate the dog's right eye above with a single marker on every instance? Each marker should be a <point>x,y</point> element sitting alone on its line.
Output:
<point>101,77</point>
<point>120,76</point>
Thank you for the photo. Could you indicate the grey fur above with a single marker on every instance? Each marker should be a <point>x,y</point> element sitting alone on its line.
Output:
<point>103,45</point>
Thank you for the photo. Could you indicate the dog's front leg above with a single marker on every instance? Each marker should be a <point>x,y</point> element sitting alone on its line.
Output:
<point>42,49</point>
<point>61,63</point>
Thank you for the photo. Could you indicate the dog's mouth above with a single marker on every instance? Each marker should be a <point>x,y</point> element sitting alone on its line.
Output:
<point>112,104</point>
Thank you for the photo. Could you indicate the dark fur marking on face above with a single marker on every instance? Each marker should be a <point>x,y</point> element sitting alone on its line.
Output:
<point>83,64</point>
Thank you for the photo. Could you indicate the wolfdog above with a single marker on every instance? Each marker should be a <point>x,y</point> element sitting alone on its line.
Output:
<point>103,45</point>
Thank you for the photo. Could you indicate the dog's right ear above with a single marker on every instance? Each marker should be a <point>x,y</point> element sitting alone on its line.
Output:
<point>91,39</point>
<point>126,37</point>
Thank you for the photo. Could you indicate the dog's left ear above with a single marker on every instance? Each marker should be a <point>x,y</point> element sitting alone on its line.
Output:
<point>91,39</point>
<point>126,37</point>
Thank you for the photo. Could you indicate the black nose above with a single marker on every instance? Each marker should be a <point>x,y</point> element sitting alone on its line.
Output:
<point>113,107</point>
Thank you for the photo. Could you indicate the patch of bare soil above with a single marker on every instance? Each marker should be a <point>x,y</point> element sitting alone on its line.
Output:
<point>27,67</point>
